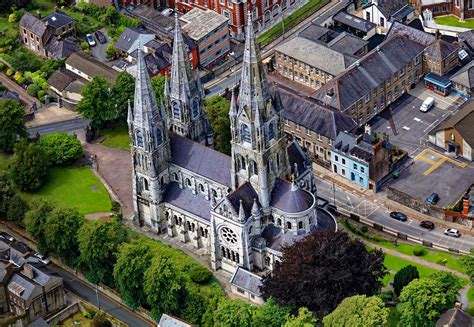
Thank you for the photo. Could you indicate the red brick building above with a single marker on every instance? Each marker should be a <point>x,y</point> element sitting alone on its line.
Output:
<point>464,9</point>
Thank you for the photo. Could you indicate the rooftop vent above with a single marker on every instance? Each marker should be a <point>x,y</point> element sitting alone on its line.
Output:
<point>330,92</point>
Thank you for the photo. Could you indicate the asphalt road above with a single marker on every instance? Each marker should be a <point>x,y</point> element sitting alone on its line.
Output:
<point>380,215</point>
<point>87,293</point>
<point>67,126</point>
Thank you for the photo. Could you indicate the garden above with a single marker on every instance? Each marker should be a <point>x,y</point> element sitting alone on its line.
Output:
<point>454,21</point>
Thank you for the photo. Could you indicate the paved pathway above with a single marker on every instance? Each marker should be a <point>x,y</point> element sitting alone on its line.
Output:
<point>52,114</point>
<point>24,96</point>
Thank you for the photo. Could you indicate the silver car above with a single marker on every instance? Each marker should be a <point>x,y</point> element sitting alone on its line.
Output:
<point>452,232</point>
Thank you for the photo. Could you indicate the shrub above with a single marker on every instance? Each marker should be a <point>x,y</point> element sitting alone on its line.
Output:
<point>199,274</point>
<point>17,76</point>
<point>84,45</point>
<point>10,72</point>
<point>364,229</point>
<point>419,251</point>
<point>41,94</point>
<point>442,262</point>
<point>403,277</point>
<point>33,90</point>
<point>62,148</point>
<point>2,88</point>
<point>21,80</point>
<point>2,66</point>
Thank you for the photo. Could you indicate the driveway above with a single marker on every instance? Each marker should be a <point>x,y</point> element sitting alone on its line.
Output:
<point>52,114</point>
<point>98,51</point>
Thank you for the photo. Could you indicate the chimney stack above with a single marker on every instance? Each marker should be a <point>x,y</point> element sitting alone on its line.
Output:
<point>465,205</point>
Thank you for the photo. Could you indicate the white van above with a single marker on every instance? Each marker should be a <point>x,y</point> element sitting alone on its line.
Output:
<point>427,104</point>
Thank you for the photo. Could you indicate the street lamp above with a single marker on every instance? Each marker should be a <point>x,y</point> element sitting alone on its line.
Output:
<point>334,193</point>
<point>97,295</point>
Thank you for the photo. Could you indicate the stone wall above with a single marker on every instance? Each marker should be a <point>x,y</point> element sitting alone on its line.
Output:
<point>416,204</point>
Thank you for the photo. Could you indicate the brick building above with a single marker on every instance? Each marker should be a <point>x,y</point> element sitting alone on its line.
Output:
<point>441,56</point>
<point>464,9</point>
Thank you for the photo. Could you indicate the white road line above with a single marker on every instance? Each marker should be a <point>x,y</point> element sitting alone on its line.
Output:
<point>417,119</point>
<point>429,126</point>
<point>406,128</point>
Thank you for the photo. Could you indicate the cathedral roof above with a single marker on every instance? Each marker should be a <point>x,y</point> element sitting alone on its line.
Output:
<point>200,159</point>
<point>276,238</point>
<point>290,198</point>
<point>296,156</point>
<point>186,200</point>
<point>247,194</point>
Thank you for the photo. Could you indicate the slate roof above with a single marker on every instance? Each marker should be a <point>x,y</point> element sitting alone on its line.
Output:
<point>465,76</point>
<point>454,318</point>
<point>373,69</point>
<point>128,40</point>
<point>316,54</point>
<point>354,21</point>
<point>315,117</point>
<point>58,19</point>
<point>198,23</point>
<point>276,238</point>
<point>91,66</point>
<point>186,200</point>
<point>200,159</point>
<point>61,79</point>
<point>344,142</point>
<point>247,194</point>
<point>402,13</point>
<point>467,38</point>
<point>31,289</point>
<point>158,58</point>
<point>296,155</point>
<point>411,33</point>
<point>390,7</point>
<point>62,48</point>
<point>347,43</point>
<point>246,280</point>
<point>317,33</point>
<point>33,24</point>
<point>441,49</point>
<point>462,122</point>
<point>289,198</point>
<point>168,321</point>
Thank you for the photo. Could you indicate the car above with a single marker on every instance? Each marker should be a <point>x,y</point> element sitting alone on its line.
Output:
<point>101,37</point>
<point>167,12</point>
<point>90,40</point>
<point>6,236</point>
<point>398,216</point>
<point>433,198</point>
<point>22,247</point>
<point>427,104</point>
<point>42,258</point>
<point>427,224</point>
<point>452,232</point>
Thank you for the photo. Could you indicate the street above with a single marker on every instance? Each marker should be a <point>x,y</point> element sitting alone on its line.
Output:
<point>347,201</point>
<point>67,126</point>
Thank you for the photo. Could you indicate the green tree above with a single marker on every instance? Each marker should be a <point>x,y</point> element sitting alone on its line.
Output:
<point>60,231</point>
<point>61,148</point>
<point>35,222</point>
<point>96,103</point>
<point>51,65</point>
<point>467,262</point>
<point>17,208</point>
<point>11,124</point>
<point>133,259</point>
<point>403,277</point>
<point>271,314</point>
<point>233,313</point>
<point>358,311</point>
<point>123,91</point>
<point>158,85</point>
<point>304,318</point>
<point>110,51</point>
<point>98,245</point>
<point>164,287</point>
<point>24,61</point>
<point>29,167</point>
<point>217,109</point>
<point>7,192</point>
<point>194,305</point>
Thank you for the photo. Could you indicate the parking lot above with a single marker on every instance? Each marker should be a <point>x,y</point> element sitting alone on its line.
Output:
<point>408,127</point>
<point>98,51</point>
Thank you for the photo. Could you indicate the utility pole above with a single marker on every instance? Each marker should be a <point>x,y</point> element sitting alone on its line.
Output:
<point>97,295</point>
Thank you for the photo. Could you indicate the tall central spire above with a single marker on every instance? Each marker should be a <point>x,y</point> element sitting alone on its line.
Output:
<point>253,86</point>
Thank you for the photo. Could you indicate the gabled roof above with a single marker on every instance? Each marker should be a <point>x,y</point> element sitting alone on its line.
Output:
<point>441,49</point>
<point>169,321</point>
<point>128,40</point>
<point>465,76</point>
<point>184,198</point>
<point>91,67</point>
<point>276,238</point>
<point>390,7</point>
<point>354,21</point>
<point>33,24</point>
<point>247,194</point>
<point>462,122</point>
<point>62,48</point>
<point>454,318</point>
<point>411,33</point>
<point>58,19</point>
<point>467,38</point>
<point>246,280</point>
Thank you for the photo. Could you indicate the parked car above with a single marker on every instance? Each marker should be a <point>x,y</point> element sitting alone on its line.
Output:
<point>22,247</point>
<point>398,216</point>
<point>167,12</point>
<point>42,258</point>
<point>452,232</point>
<point>427,104</point>
<point>427,224</point>
<point>433,198</point>
<point>90,40</point>
<point>6,236</point>
<point>101,37</point>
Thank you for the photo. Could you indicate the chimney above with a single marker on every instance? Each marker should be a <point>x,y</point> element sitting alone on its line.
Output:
<point>458,305</point>
<point>368,129</point>
<point>437,34</point>
<point>28,271</point>
<point>465,205</point>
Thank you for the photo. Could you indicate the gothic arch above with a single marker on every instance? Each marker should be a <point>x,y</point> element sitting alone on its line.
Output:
<point>139,138</point>
<point>245,130</point>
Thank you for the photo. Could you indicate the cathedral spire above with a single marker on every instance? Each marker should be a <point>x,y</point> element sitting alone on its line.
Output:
<point>233,108</point>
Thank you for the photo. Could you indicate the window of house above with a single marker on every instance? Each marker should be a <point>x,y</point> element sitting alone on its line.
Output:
<point>159,136</point>
<point>361,180</point>
<point>288,225</point>
<point>382,21</point>
<point>355,166</point>
<point>241,291</point>
<point>343,161</point>
<point>417,60</point>
<point>343,171</point>
<point>271,130</point>
<point>367,97</point>
<point>359,104</point>
<point>362,169</point>
<point>139,138</point>
<point>176,111</point>
<point>201,187</point>
<point>402,71</point>
<point>300,225</point>
<point>336,158</point>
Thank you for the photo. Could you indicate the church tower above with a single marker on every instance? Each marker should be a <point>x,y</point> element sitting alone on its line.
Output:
<point>150,150</point>
<point>185,96</point>
<point>258,142</point>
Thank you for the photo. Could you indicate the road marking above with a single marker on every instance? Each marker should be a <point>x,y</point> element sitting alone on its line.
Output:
<point>406,128</point>
<point>417,119</point>
<point>434,167</point>
<point>429,126</point>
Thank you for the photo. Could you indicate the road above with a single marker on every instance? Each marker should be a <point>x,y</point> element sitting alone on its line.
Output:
<point>375,212</point>
<point>87,293</point>
<point>24,96</point>
<point>67,126</point>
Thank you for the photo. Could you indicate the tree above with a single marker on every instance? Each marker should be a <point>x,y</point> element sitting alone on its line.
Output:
<point>423,300</point>
<point>322,269</point>
<point>51,65</point>
<point>96,103</point>
<point>194,305</point>
<point>60,233</point>
<point>467,262</point>
<point>358,311</point>
<point>163,286</point>
<point>403,277</point>
<point>35,222</point>
<point>122,92</point>
<point>133,259</point>
<point>7,192</point>
<point>61,148</point>
<point>271,314</point>
<point>98,245</point>
<point>17,208</point>
<point>303,319</point>
<point>24,61</point>
<point>217,109</point>
<point>233,313</point>
<point>11,124</point>
<point>29,167</point>
<point>158,85</point>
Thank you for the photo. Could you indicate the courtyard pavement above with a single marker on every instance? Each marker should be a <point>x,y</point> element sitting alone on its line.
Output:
<point>52,114</point>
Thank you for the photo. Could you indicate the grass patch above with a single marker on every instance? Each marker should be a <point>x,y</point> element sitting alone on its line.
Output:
<point>454,21</point>
<point>470,294</point>
<point>294,18</point>
<point>117,137</point>
<point>74,188</point>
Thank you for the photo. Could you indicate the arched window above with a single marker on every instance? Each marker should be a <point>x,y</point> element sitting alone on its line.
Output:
<point>175,176</point>
<point>279,222</point>
<point>176,111</point>
<point>271,130</point>
<point>246,133</point>
<point>300,225</point>
<point>283,4</point>
<point>288,225</point>
<point>276,10</point>
<point>201,187</point>
<point>145,184</point>
<point>139,138</point>
<point>267,16</point>
<point>214,193</point>
<point>159,136</point>
<point>195,108</point>
<point>188,182</point>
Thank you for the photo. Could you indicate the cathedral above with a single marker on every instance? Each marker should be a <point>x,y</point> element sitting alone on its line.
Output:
<point>240,210</point>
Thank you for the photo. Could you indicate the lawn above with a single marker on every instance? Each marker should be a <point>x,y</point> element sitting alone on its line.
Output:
<point>74,188</point>
<point>454,21</point>
<point>288,22</point>
<point>117,137</point>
